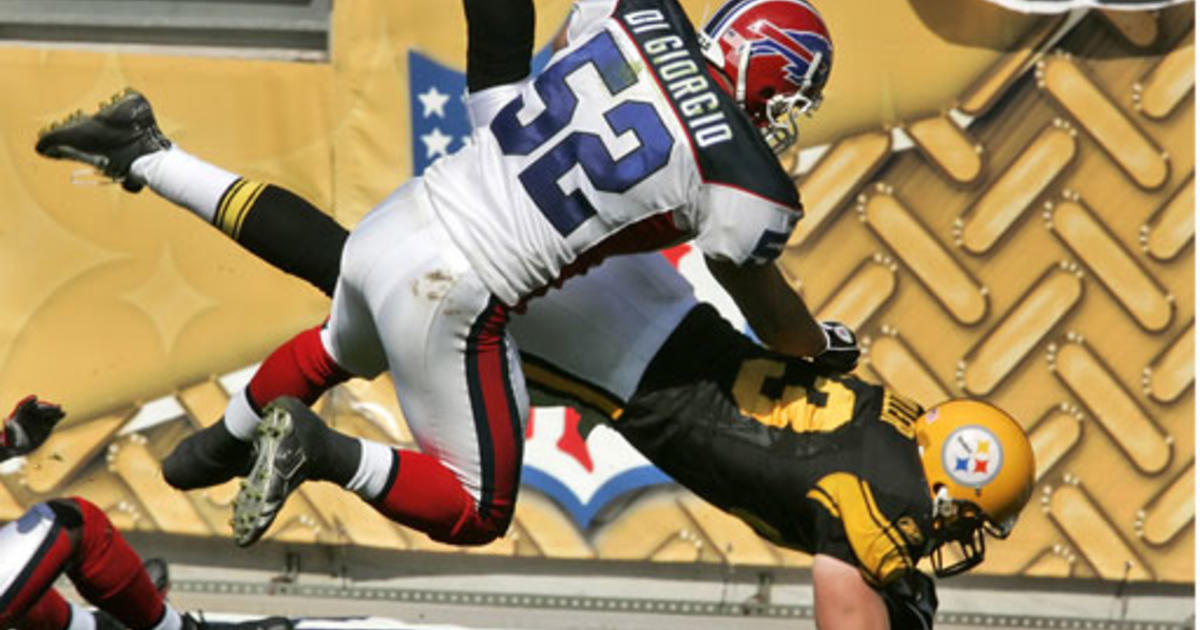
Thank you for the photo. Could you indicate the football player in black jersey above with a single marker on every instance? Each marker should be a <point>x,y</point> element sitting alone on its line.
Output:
<point>859,476</point>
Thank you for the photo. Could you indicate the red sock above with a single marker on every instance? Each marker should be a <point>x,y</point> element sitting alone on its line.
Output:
<point>426,496</point>
<point>51,612</point>
<point>109,574</point>
<point>301,368</point>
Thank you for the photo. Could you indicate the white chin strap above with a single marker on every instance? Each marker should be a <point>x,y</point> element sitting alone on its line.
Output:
<point>943,505</point>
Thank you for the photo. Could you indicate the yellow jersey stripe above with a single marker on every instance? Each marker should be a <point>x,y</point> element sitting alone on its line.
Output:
<point>901,413</point>
<point>819,495</point>
<point>888,529</point>
<point>868,532</point>
<point>557,382</point>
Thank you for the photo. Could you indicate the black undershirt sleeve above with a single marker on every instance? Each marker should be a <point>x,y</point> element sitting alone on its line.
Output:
<point>499,42</point>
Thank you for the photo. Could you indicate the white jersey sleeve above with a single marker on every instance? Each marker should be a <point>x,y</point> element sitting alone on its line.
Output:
<point>740,227</point>
<point>587,17</point>
<point>483,105</point>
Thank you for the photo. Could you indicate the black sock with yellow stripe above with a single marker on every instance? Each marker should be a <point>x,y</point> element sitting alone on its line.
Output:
<point>284,230</point>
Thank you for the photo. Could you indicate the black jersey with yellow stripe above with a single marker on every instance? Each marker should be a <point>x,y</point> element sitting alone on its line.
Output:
<point>820,463</point>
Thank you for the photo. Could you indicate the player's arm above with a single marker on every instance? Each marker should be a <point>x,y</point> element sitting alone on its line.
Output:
<point>741,234</point>
<point>843,600</point>
<point>28,426</point>
<point>773,309</point>
<point>499,42</point>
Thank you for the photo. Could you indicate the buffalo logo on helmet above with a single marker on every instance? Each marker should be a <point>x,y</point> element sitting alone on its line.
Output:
<point>778,29</point>
<point>797,49</point>
<point>972,456</point>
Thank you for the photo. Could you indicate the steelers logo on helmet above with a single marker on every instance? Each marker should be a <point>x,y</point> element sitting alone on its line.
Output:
<point>972,456</point>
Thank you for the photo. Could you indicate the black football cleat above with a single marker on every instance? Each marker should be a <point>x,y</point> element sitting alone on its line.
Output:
<point>122,130</point>
<point>280,465</point>
<point>105,621</point>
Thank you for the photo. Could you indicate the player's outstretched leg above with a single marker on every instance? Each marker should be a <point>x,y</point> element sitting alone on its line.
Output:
<point>292,445</point>
<point>299,368</point>
<point>122,140</point>
<point>414,489</point>
<point>75,537</point>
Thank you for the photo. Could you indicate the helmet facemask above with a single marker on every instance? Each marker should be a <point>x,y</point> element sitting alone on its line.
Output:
<point>962,525</point>
<point>783,111</point>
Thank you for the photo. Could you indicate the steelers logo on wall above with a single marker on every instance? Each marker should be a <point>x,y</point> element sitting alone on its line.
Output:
<point>972,456</point>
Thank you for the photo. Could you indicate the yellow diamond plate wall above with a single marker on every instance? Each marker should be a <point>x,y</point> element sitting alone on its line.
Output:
<point>1015,224</point>
<point>1040,257</point>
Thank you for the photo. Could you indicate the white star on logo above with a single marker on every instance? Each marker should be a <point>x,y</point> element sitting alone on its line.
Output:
<point>433,102</point>
<point>436,143</point>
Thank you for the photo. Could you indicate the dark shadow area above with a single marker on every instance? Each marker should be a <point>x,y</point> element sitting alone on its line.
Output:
<point>976,23</point>
<point>981,24</point>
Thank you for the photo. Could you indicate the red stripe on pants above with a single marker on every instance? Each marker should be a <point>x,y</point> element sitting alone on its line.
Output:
<point>427,496</point>
<point>501,442</point>
<point>48,565</point>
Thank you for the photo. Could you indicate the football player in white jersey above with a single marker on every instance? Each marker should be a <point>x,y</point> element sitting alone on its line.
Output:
<point>637,135</point>
<point>73,536</point>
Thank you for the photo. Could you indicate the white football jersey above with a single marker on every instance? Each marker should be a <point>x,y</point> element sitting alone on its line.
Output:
<point>604,327</point>
<point>623,143</point>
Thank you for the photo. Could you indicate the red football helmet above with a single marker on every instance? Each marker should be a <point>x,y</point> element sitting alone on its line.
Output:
<point>777,54</point>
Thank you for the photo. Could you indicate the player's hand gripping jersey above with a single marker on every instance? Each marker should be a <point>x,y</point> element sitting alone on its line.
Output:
<point>623,143</point>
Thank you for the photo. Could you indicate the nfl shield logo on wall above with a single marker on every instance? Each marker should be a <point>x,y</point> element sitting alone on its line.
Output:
<point>582,474</point>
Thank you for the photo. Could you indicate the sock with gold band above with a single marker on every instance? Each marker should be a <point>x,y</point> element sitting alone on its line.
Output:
<point>273,223</point>
<point>286,231</point>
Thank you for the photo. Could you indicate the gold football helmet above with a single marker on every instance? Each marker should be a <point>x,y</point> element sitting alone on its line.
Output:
<point>979,466</point>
